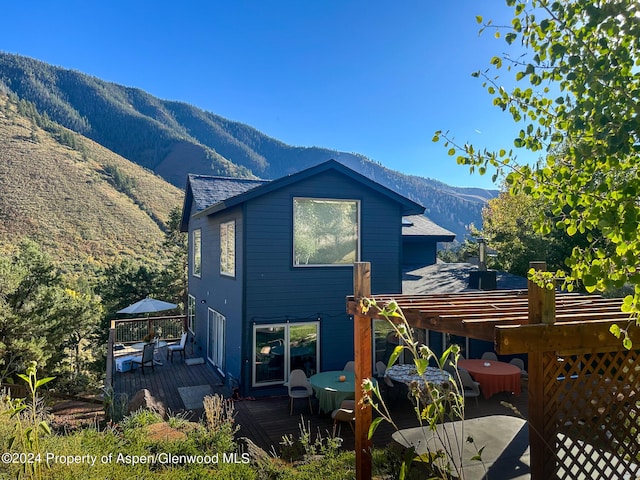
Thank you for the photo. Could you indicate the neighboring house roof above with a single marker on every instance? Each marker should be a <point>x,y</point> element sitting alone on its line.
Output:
<point>209,195</point>
<point>450,278</point>
<point>420,226</point>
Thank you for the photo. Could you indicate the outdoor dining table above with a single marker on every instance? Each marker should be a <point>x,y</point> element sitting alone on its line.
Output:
<point>330,391</point>
<point>493,376</point>
<point>406,373</point>
<point>136,349</point>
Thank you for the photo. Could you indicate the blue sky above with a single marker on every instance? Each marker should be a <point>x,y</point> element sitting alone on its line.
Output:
<point>372,77</point>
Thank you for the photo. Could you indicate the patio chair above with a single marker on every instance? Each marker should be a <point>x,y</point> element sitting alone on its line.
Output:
<point>470,387</point>
<point>349,366</point>
<point>381,369</point>
<point>177,347</point>
<point>146,359</point>
<point>299,387</point>
<point>489,356</point>
<point>346,413</point>
<point>518,362</point>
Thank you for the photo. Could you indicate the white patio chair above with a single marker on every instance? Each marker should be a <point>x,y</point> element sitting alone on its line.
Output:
<point>470,387</point>
<point>179,347</point>
<point>381,369</point>
<point>349,366</point>
<point>346,413</point>
<point>299,387</point>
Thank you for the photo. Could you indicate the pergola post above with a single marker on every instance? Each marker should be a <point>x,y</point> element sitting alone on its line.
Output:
<point>542,309</point>
<point>362,342</point>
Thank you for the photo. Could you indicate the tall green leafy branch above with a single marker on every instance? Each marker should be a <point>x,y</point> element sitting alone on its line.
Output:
<point>577,99</point>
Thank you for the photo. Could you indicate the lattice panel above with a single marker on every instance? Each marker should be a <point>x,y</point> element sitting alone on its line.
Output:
<point>592,426</point>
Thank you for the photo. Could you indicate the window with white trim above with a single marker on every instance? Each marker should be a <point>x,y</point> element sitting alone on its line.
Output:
<point>325,231</point>
<point>196,269</point>
<point>228,248</point>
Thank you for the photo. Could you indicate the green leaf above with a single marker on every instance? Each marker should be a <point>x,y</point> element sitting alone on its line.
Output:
<point>42,381</point>
<point>374,425</point>
<point>615,330</point>
<point>394,356</point>
<point>44,427</point>
<point>478,18</point>
<point>478,456</point>
<point>421,365</point>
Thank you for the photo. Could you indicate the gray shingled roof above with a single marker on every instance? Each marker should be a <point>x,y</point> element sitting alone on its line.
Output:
<point>208,190</point>
<point>420,226</point>
<point>451,278</point>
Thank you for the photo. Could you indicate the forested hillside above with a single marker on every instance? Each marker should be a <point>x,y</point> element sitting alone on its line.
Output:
<point>174,139</point>
<point>85,205</point>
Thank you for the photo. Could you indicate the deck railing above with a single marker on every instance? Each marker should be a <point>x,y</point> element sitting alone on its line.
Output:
<point>134,330</point>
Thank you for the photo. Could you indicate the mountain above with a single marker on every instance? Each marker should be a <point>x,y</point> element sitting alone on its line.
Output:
<point>173,138</point>
<point>85,205</point>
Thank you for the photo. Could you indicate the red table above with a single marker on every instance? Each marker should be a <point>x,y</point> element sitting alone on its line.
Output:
<point>494,377</point>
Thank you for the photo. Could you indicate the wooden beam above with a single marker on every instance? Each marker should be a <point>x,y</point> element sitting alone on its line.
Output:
<point>542,301</point>
<point>108,380</point>
<point>580,336</point>
<point>541,309</point>
<point>362,342</point>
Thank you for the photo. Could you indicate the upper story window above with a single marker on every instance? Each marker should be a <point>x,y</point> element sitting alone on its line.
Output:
<point>197,253</point>
<point>325,231</point>
<point>228,248</point>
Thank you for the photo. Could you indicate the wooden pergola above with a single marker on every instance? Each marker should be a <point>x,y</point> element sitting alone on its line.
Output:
<point>584,387</point>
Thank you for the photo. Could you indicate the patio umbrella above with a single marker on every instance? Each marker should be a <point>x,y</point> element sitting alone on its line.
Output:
<point>148,305</point>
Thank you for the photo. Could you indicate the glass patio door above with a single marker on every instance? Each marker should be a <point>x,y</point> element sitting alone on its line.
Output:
<point>215,341</point>
<point>280,348</point>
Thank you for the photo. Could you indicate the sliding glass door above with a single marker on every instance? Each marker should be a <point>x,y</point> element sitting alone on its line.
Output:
<point>280,348</point>
<point>215,342</point>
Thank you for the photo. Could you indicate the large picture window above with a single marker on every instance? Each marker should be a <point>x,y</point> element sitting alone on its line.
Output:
<point>228,248</point>
<point>325,231</point>
<point>197,253</point>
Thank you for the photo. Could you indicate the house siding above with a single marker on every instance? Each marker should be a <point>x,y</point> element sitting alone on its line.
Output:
<point>218,292</point>
<point>267,287</point>
<point>419,251</point>
<point>276,291</point>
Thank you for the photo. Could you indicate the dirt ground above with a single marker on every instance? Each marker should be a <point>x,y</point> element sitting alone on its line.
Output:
<point>75,414</point>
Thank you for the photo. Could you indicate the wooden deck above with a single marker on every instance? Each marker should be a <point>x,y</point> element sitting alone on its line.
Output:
<point>164,380</point>
<point>266,420</point>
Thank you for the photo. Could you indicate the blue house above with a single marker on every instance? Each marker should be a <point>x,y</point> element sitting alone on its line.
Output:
<point>270,265</point>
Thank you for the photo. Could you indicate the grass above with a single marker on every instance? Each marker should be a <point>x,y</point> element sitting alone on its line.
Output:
<point>206,449</point>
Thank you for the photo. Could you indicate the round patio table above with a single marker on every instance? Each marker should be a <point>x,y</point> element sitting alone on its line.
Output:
<point>406,373</point>
<point>493,376</point>
<point>331,391</point>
